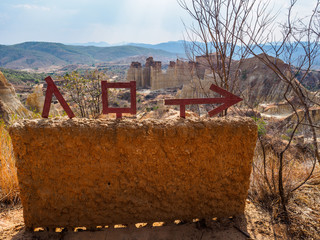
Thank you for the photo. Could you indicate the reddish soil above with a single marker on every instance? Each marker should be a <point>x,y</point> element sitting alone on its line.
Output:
<point>256,224</point>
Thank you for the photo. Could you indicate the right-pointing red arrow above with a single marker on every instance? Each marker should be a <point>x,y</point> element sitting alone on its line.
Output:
<point>228,100</point>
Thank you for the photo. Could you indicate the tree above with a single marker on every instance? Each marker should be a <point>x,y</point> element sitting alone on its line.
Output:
<point>238,29</point>
<point>219,34</point>
<point>85,91</point>
<point>297,46</point>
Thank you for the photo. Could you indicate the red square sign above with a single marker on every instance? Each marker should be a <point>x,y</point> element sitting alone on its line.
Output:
<point>105,104</point>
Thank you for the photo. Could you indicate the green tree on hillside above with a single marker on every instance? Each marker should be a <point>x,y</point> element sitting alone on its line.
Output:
<point>85,91</point>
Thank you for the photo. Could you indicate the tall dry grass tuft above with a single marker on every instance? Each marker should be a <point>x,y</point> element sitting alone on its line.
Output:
<point>304,210</point>
<point>9,189</point>
<point>298,167</point>
<point>301,185</point>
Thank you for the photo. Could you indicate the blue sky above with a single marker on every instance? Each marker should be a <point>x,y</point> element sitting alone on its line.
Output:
<point>76,21</point>
<point>80,21</point>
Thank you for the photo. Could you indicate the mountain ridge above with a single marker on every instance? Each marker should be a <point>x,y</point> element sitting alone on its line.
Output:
<point>43,54</point>
<point>33,55</point>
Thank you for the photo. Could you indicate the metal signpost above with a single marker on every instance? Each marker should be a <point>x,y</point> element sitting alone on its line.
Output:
<point>227,100</point>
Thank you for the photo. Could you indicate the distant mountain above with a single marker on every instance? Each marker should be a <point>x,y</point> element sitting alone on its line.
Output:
<point>176,47</point>
<point>44,54</point>
<point>99,44</point>
<point>39,55</point>
<point>94,44</point>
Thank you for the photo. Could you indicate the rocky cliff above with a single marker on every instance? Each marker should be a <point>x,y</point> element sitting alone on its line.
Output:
<point>10,106</point>
<point>152,76</point>
<point>91,173</point>
<point>255,83</point>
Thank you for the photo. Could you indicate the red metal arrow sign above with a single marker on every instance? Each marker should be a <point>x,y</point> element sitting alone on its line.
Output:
<point>105,86</point>
<point>52,89</point>
<point>228,100</point>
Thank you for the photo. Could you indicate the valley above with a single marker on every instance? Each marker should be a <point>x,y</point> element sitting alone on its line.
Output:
<point>160,75</point>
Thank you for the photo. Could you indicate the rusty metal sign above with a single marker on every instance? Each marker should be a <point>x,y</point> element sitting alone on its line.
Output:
<point>228,100</point>
<point>118,111</point>
<point>52,89</point>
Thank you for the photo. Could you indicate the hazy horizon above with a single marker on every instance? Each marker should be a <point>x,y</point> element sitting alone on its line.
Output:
<point>95,42</point>
<point>83,21</point>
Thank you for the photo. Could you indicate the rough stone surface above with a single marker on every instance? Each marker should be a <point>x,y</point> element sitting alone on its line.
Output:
<point>10,105</point>
<point>177,74</point>
<point>83,172</point>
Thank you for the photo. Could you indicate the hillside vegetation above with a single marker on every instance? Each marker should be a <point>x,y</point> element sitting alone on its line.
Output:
<point>20,77</point>
<point>43,54</point>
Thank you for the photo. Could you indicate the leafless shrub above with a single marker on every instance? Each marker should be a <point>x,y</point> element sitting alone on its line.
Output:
<point>236,29</point>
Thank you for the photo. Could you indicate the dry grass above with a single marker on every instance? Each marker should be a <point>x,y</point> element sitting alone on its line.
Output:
<point>9,190</point>
<point>304,210</point>
<point>303,204</point>
<point>297,166</point>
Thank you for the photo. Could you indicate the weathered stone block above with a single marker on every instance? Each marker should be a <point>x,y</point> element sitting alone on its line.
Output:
<point>84,172</point>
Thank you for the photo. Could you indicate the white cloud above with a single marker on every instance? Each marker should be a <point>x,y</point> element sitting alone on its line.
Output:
<point>31,7</point>
<point>103,20</point>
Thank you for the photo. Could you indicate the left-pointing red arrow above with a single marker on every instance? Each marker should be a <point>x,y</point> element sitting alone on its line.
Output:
<point>228,100</point>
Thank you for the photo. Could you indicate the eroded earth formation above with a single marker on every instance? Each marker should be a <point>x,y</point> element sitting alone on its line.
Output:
<point>86,172</point>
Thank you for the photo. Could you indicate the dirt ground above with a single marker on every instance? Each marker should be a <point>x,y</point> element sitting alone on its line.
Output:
<point>256,224</point>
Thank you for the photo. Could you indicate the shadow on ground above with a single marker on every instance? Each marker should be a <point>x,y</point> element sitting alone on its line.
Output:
<point>234,229</point>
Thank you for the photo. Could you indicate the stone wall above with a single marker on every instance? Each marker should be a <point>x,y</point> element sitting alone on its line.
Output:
<point>102,172</point>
